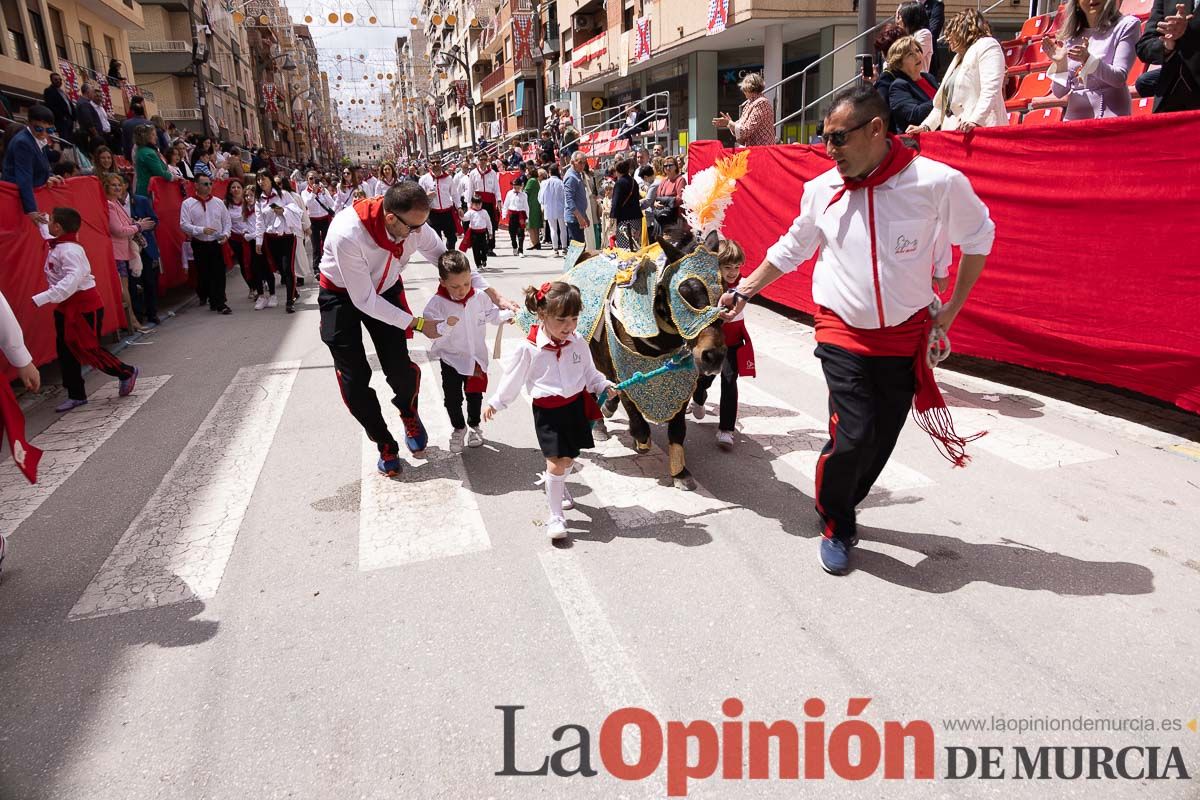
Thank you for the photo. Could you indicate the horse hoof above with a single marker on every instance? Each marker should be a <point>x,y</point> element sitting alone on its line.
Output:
<point>600,434</point>
<point>642,447</point>
<point>608,411</point>
<point>685,483</point>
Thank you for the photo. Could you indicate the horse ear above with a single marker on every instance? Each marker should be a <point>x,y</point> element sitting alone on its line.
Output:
<point>672,252</point>
<point>711,241</point>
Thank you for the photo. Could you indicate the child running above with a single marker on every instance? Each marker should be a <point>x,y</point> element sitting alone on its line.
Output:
<point>461,315</point>
<point>478,224</point>
<point>79,318</point>
<point>739,353</point>
<point>516,206</point>
<point>555,366</point>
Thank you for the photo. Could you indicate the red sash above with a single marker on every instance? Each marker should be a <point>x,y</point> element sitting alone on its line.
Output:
<point>488,198</point>
<point>78,333</point>
<point>590,408</point>
<point>12,425</point>
<point>736,335</point>
<point>325,283</point>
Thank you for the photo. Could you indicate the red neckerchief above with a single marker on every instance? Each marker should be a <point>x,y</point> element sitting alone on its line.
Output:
<point>204,203</point>
<point>557,347</point>
<point>441,292</point>
<point>893,163</point>
<point>371,213</point>
<point>66,237</point>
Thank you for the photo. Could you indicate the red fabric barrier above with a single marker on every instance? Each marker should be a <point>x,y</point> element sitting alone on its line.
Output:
<point>25,254</point>
<point>167,198</point>
<point>506,182</point>
<point>1093,274</point>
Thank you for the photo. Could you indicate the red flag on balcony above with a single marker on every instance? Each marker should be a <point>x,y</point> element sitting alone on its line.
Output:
<point>642,49</point>
<point>70,80</point>
<point>105,93</point>
<point>270,101</point>
<point>460,92</point>
<point>522,26</point>
<point>718,15</point>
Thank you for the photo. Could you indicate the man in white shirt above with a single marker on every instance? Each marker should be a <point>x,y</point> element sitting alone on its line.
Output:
<point>205,219</point>
<point>442,190</point>
<point>463,176</point>
<point>320,205</point>
<point>485,184</point>
<point>367,249</point>
<point>881,220</point>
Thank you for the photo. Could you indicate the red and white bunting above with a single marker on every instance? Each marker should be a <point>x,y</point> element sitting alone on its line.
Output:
<point>591,49</point>
<point>70,79</point>
<point>641,50</point>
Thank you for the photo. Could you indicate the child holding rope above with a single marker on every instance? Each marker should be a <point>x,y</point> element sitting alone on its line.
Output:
<point>555,366</point>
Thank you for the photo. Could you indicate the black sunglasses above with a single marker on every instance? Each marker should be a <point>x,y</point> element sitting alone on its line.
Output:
<point>838,138</point>
<point>40,129</point>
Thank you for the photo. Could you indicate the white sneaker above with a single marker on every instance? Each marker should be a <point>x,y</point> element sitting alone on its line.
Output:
<point>568,501</point>
<point>456,439</point>
<point>556,528</point>
<point>725,440</point>
<point>474,437</point>
<point>260,303</point>
<point>272,302</point>
<point>697,409</point>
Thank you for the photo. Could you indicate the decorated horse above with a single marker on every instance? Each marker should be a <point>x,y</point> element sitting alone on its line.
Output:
<point>655,312</point>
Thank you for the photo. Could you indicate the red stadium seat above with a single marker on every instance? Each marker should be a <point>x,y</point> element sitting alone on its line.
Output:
<point>1143,106</point>
<point>1135,71</point>
<point>1137,8</point>
<point>1032,87</point>
<point>1043,116</point>
<point>1014,118</point>
<point>1036,27</point>
<point>1030,59</point>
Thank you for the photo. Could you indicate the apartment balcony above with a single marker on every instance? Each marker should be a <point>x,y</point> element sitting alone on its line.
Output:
<point>495,82</point>
<point>591,59</point>
<point>492,37</point>
<point>124,14</point>
<point>173,57</point>
<point>169,5</point>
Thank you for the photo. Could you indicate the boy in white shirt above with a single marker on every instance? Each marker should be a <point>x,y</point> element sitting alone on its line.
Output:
<point>462,314</point>
<point>516,206</point>
<point>478,228</point>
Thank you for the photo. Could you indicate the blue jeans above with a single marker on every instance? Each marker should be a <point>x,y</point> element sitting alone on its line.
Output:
<point>574,231</point>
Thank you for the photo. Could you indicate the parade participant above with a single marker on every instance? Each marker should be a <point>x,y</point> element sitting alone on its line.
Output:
<point>463,176</point>
<point>241,231</point>
<point>478,232</point>
<point>386,180</point>
<point>739,352</point>
<point>516,206</point>
<point>79,318</point>
<point>461,315</point>
<point>442,190</point>
<point>320,205</point>
<point>343,196</point>
<point>555,366</point>
<point>366,251</point>
<point>873,295</point>
<point>277,221</point>
<point>207,223</point>
<point>485,183</point>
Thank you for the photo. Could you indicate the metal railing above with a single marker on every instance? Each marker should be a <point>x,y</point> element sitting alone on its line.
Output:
<point>168,46</point>
<point>804,104</point>
<point>658,107</point>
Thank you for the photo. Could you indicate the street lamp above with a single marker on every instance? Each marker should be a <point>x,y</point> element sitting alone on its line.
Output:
<point>443,61</point>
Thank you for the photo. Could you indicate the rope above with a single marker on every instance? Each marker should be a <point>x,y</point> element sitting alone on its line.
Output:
<point>682,360</point>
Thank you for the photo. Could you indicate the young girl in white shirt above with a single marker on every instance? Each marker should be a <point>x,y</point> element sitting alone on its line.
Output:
<point>516,206</point>
<point>555,366</point>
<point>478,226</point>
<point>462,315</point>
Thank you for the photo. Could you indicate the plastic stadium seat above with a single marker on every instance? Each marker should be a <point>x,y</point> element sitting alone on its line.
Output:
<point>1014,118</point>
<point>1012,53</point>
<point>1137,8</point>
<point>1043,116</point>
<point>1030,59</point>
<point>1036,27</point>
<point>1033,86</point>
<point>1143,106</point>
<point>1135,71</point>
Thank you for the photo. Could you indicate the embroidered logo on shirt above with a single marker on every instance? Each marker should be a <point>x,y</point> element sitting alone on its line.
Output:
<point>904,245</point>
<point>575,359</point>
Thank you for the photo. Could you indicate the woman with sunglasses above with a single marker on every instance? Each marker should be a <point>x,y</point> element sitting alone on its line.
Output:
<point>668,196</point>
<point>25,161</point>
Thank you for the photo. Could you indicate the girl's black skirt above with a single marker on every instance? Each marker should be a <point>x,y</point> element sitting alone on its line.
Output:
<point>563,432</point>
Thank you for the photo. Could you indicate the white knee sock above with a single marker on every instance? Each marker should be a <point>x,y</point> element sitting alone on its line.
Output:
<point>556,486</point>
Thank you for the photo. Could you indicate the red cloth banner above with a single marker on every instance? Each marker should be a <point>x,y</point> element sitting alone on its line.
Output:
<point>25,256</point>
<point>167,198</point>
<point>522,31</point>
<point>70,79</point>
<point>641,51</point>
<point>105,94</point>
<point>460,94</point>
<point>1092,275</point>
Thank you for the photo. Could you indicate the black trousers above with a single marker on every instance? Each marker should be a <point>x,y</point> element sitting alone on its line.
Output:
<point>443,223</point>
<point>341,330</point>
<point>244,258</point>
<point>480,244</point>
<point>143,290</point>
<point>453,389</point>
<point>491,209</point>
<point>320,227</point>
<point>101,359</point>
<point>516,233</point>
<point>869,399</point>
<point>210,273</point>
<point>729,389</point>
<point>282,248</point>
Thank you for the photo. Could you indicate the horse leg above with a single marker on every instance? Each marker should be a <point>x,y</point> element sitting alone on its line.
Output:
<point>638,427</point>
<point>676,431</point>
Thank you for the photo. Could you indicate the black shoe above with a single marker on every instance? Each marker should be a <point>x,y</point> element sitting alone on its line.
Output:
<point>299,281</point>
<point>225,310</point>
<point>153,320</point>
<point>291,308</point>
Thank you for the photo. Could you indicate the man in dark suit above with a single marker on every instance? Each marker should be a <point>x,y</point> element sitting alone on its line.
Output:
<point>55,97</point>
<point>25,161</point>
<point>1172,38</point>
<point>90,129</point>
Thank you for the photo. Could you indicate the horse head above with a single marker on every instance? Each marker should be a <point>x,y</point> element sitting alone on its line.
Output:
<point>686,299</point>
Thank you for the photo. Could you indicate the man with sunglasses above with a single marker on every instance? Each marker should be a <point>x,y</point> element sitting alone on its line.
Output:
<point>207,223</point>
<point>883,220</point>
<point>366,250</point>
<point>26,163</point>
<point>442,190</point>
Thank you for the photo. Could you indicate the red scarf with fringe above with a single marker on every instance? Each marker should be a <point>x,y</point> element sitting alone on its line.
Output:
<point>12,427</point>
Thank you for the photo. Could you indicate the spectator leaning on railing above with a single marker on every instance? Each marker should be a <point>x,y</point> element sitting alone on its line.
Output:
<point>972,93</point>
<point>25,161</point>
<point>1090,59</point>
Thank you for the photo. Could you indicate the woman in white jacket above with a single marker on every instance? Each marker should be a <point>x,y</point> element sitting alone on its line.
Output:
<point>972,93</point>
<point>553,199</point>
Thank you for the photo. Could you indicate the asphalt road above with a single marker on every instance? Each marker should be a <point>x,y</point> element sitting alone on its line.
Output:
<point>211,595</point>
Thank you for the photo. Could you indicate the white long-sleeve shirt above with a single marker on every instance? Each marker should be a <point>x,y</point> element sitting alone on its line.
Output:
<point>478,220</point>
<point>553,198</point>
<point>380,186</point>
<point>488,182</point>
<point>463,346</point>
<point>313,203</point>
<point>463,182</point>
<point>12,341</point>
<point>352,261</point>
<point>342,198</point>
<point>195,216</point>
<point>443,192</point>
<point>67,272</point>
<point>516,200</point>
<point>915,215</point>
<point>241,223</point>
<point>545,372</point>
<point>267,221</point>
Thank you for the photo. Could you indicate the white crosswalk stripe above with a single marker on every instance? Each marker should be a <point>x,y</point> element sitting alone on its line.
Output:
<point>68,442</point>
<point>177,547</point>
<point>430,512</point>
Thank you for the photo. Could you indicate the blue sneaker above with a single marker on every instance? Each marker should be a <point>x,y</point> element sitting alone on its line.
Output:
<point>68,404</point>
<point>128,384</point>
<point>415,437</point>
<point>390,464</point>
<point>835,556</point>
